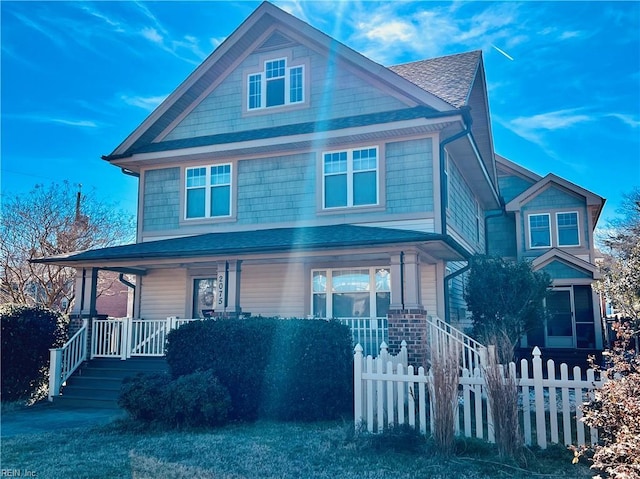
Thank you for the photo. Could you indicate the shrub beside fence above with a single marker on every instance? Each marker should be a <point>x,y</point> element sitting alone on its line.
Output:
<point>387,395</point>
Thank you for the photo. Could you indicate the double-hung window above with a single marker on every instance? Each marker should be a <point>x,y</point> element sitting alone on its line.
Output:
<point>276,85</point>
<point>540,231</point>
<point>567,224</point>
<point>208,191</point>
<point>350,178</point>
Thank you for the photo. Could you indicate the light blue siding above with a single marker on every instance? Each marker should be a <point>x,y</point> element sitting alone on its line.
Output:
<point>501,231</point>
<point>560,270</point>
<point>334,93</point>
<point>512,186</point>
<point>409,176</point>
<point>161,200</point>
<point>274,190</point>
<point>462,209</point>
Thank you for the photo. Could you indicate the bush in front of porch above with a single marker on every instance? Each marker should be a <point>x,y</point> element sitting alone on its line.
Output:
<point>293,369</point>
<point>28,332</point>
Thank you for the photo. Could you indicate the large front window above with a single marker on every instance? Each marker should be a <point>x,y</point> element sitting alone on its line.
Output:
<point>351,293</point>
<point>276,85</point>
<point>208,191</point>
<point>350,177</point>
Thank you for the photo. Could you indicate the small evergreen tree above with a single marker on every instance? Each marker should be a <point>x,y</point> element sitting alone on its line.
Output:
<point>506,300</point>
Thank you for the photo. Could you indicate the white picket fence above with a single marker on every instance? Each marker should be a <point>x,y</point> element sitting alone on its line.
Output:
<point>388,395</point>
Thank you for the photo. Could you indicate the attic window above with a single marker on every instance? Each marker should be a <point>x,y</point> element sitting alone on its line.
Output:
<point>276,85</point>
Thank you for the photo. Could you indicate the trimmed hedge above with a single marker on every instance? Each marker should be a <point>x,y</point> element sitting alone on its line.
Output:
<point>193,400</point>
<point>294,369</point>
<point>27,334</point>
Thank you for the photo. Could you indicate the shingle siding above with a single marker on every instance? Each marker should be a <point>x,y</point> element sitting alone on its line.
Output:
<point>409,176</point>
<point>161,201</point>
<point>512,186</point>
<point>335,92</point>
<point>273,190</point>
<point>462,209</point>
<point>560,270</point>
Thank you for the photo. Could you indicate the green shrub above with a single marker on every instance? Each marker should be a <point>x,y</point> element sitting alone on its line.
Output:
<point>280,369</point>
<point>27,335</point>
<point>197,399</point>
<point>143,396</point>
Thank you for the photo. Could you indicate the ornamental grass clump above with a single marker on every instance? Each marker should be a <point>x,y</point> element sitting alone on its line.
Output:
<point>502,396</point>
<point>443,392</point>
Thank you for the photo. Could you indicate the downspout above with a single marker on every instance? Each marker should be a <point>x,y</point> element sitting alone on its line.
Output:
<point>447,278</point>
<point>402,278</point>
<point>130,173</point>
<point>443,187</point>
<point>502,212</point>
<point>443,196</point>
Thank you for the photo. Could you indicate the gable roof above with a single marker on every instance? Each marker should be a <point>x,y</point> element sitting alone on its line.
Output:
<point>276,240</point>
<point>591,198</point>
<point>564,257</point>
<point>509,166</point>
<point>265,24</point>
<point>450,77</point>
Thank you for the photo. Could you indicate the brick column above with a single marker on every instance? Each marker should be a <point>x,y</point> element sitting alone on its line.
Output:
<point>409,325</point>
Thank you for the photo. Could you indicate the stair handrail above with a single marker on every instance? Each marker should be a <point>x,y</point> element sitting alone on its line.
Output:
<point>443,335</point>
<point>64,361</point>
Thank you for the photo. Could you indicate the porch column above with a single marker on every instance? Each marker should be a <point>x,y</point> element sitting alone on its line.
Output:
<point>228,299</point>
<point>84,307</point>
<point>407,318</point>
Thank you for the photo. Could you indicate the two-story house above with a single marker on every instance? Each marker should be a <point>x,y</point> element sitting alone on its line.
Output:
<point>290,176</point>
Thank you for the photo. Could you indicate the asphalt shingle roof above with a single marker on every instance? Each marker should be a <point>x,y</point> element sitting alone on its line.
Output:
<point>449,78</point>
<point>260,241</point>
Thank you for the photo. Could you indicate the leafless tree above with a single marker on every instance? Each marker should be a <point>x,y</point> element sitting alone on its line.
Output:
<point>53,220</point>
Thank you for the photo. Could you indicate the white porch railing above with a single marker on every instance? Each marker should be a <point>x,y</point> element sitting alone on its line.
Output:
<point>127,337</point>
<point>370,333</point>
<point>65,360</point>
<point>444,338</point>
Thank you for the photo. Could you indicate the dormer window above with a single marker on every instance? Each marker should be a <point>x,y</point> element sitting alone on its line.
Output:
<point>276,85</point>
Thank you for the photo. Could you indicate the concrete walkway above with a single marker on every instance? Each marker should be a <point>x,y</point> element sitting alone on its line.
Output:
<point>45,417</point>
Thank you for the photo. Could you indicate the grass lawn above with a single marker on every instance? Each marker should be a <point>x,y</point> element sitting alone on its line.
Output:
<point>263,450</point>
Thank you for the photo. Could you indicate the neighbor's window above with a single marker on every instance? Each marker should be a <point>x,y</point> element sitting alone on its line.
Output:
<point>351,293</point>
<point>539,231</point>
<point>277,85</point>
<point>208,191</point>
<point>350,178</point>
<point>567,224</point>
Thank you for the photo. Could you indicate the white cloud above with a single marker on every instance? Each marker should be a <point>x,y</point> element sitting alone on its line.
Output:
<point>144,102</point>
<point>152,35</point>
<point>44,118</point>
<point>553,120</point>
<point>626,119</point>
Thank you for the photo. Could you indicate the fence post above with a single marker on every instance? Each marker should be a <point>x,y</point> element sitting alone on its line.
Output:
<point>357,386</point>
<point>86,343</point>
<point>404,354</point>
<point>55,372</point>
<point>538,389</point>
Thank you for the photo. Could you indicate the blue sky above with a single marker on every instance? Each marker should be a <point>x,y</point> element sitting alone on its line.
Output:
<point>563,78</point>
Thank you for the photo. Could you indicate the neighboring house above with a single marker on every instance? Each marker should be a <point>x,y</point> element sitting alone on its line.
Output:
<point>289,175</point>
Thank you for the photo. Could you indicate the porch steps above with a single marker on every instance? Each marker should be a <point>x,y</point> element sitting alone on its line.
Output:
<point>97,383</point>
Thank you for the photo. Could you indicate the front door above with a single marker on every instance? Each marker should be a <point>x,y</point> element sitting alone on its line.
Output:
<point>560,324</point>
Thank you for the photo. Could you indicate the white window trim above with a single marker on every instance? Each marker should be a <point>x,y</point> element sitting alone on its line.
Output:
<point>577,213</point>
<point>548,215</point>
<point>329,287</point>
<point>287,85</point>
<point>207,195</point>
<point>350,173</point>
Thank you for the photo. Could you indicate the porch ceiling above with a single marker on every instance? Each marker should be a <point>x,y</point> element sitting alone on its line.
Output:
<point>263,242</point>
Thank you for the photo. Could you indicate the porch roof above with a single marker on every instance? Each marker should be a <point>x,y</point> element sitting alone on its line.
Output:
<point>262,241</point>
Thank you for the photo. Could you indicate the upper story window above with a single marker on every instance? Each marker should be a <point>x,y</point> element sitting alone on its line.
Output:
<point>563,231</point>
<point>276,85</point>
<point>539,231</point>
<point>568,229</point>
<point>350,177</point>
<point>208,191</point>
